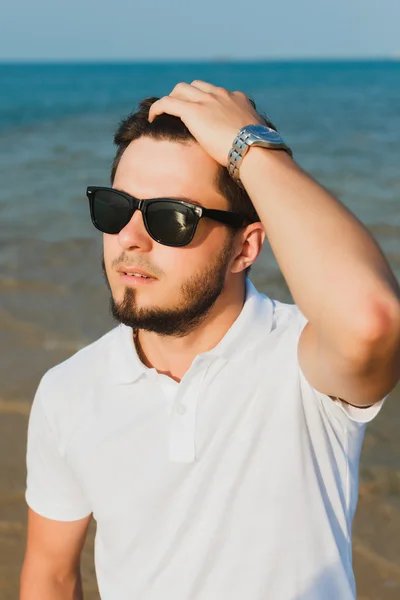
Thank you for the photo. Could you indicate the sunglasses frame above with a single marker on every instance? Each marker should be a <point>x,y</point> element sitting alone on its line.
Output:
<point>229,218</point>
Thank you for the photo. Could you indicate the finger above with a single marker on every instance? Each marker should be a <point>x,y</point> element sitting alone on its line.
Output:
<point>186,91</point>
<point>169,105</point>
<point>242,95</point>
<point>207,87</point>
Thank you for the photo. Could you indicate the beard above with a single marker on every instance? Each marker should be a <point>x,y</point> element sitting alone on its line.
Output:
<point>198,295</point>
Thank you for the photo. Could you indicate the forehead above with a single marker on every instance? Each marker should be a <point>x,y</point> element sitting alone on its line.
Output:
<point>158,168</point>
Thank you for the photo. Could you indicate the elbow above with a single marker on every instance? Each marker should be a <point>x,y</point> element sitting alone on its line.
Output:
<point>378,333</point>
<point>375,333</point>
<point>382,321</point>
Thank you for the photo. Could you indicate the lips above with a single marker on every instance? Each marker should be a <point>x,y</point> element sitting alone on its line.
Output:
<point>125,270</point>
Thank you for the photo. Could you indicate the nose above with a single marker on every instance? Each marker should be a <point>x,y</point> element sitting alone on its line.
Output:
<point>134,234</point>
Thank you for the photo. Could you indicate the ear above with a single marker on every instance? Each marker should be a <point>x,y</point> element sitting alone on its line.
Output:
<point>248,246</point>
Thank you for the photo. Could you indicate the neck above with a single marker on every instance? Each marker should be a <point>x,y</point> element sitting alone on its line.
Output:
<point>173,356</point>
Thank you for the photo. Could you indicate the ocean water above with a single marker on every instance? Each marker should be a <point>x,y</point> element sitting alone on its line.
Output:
<point>56,127</point>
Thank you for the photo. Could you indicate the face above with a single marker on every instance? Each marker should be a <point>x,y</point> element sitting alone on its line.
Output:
<point>186,281</point>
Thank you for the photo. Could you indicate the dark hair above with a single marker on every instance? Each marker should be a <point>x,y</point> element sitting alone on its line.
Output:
<point>168,127</point>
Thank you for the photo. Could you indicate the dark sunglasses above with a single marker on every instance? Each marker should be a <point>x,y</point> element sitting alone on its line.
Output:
<point>169,222</point>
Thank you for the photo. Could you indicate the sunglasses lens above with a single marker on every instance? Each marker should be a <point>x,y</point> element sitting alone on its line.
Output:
<point>171,224</point>
<point>110,211</point>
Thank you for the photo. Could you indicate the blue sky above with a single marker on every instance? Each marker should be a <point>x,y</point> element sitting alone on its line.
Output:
<point>206,29</point>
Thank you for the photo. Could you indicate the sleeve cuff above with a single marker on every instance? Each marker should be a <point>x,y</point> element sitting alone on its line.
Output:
<point>54,511</point>
<point>358,414</point>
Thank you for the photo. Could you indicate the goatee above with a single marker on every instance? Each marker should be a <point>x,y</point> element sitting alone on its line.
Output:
<point>198,294</point>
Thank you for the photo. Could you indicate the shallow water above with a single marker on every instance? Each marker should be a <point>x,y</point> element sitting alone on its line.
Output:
<point>56,124</point>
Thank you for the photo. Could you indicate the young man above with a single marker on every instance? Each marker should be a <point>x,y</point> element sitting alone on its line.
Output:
<point>215,433</point>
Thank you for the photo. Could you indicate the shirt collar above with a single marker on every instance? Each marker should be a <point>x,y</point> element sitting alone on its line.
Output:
<point>254,320</point>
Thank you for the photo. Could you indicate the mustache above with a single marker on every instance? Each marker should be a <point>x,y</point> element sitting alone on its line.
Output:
<point>128,262</point>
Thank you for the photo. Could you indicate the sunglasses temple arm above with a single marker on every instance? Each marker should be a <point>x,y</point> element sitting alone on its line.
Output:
<point>224,216</point>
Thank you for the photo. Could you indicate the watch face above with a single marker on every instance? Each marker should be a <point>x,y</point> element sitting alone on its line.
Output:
<point>262,132</point>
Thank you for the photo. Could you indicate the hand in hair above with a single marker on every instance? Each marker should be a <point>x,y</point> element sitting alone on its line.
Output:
<point>212,114</point>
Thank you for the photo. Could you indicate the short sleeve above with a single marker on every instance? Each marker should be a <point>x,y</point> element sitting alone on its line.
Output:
<point>341,410</point>
<point>52,489</point>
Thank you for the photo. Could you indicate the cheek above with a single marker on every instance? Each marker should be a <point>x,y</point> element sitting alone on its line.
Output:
<point>111,251</point>
<point>176,265</point>
<point>200,254</point>
<point>181,264</point>
<point>109,245</point>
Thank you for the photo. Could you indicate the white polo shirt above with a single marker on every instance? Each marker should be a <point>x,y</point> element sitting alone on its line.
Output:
<point>238,483</point>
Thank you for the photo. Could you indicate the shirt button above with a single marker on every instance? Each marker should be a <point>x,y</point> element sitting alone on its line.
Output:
<point>181,409</point>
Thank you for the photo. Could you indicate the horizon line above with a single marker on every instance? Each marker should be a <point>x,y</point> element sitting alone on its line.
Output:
<point>211,60</point>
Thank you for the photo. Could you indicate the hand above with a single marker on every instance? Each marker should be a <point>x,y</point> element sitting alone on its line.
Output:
<point>213,115</point>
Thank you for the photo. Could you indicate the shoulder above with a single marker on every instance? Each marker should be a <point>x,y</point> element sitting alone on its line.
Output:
<point>72,383</point>
<point>269,315</point>
<point>275,330</point>
<point>287,316</point>
<point>85,365</point>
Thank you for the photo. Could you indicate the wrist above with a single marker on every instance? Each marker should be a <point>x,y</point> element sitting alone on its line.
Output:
<point>250,136</point>
<point>261,160</point>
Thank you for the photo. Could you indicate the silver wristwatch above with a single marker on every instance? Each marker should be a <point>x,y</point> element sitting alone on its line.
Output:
<point>253,135</point>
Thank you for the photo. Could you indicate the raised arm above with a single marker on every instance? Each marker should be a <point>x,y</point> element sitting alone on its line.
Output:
<point>51,568</point>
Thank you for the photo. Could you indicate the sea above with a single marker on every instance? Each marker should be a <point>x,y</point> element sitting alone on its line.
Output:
<point>342,120</point>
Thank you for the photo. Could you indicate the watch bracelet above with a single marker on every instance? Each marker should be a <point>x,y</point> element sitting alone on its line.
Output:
<point>238,152</point>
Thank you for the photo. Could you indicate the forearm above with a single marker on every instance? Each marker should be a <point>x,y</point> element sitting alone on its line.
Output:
<point>39,586</point>
<point>335,270</point>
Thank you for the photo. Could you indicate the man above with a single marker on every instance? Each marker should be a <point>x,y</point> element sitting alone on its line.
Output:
<point>215,433</point>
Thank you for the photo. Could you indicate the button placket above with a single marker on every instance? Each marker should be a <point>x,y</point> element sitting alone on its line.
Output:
<point>182,431</point>
<point>181,409</point>
<point>182,425</point>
